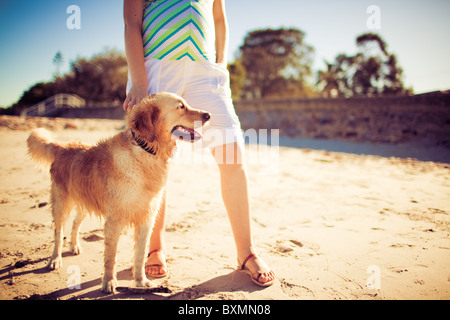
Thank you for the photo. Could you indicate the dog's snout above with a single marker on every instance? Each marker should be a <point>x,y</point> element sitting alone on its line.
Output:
<point>206,116</point>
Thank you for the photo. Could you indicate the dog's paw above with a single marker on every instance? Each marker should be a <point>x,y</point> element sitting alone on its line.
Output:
<point>75,249</point>
<point>54,263</point>
<point>142,283</point>
<point>109,286</point>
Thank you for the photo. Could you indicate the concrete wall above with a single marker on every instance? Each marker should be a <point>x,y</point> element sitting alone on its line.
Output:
<point>93,113</point>
<point>422,119</point>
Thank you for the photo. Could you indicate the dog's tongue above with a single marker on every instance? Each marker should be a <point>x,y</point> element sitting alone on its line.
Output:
<point>186,134</point>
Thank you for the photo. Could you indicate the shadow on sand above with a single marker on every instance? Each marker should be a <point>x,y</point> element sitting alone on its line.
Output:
<point>90,290</point>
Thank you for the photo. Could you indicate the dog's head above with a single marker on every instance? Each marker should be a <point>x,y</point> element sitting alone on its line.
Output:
<point>165,117</point>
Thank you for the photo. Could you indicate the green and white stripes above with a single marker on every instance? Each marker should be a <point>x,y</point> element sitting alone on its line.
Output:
<point>178,29</point>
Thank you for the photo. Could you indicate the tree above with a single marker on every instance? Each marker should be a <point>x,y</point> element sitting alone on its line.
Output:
<point>372,71</point>
<point>330,80</point>
<point>35,94</point>
<point>58,61</point>
<point>237,78</point>
<point>277,63</point>
<point>101,79</point>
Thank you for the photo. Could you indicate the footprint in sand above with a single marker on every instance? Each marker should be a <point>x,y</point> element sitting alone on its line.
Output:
<point>296,291</point>
<point>297,248</point>
<point>285,246</point>
<point>179,227</point>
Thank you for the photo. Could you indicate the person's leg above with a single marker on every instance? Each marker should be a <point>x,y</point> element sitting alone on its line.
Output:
<point>235,195</point>
<point>156,262</point>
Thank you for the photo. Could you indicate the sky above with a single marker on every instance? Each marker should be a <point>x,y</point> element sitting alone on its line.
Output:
<point>416,31</point>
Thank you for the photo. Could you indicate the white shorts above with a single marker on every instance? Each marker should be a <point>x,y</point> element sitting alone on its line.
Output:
<point>204,86</point>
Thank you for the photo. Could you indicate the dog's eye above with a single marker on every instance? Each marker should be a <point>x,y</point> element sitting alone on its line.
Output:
<point>181,106</point>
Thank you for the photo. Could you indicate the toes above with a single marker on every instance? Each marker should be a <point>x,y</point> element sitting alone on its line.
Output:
<point>265,277</point>
<point>151,270</point>
<point>162,270</point>
<point>155,270</point>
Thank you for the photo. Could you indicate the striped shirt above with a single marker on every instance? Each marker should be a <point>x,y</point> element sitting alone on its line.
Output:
<point>179,29</point>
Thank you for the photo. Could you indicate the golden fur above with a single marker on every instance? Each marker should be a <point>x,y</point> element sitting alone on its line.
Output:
<point>116,179</point>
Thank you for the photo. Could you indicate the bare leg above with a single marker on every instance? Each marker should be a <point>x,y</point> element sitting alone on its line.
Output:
<point>236,199</point>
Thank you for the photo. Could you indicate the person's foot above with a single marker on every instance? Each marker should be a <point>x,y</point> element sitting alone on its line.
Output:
<point>156,264</point>
<point>258,270</point>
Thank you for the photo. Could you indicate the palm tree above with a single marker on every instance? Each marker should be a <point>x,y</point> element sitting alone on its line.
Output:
<point>329,79</point>
<point>58,61</point>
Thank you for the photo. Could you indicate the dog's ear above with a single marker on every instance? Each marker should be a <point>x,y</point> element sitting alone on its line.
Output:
<point>144,120</point>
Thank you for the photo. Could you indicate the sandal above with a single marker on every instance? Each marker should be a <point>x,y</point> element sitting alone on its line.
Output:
<point>147,272</point>
<point>244,269</point>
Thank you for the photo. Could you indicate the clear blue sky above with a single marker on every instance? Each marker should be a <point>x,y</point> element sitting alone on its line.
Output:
<point>416,31</point>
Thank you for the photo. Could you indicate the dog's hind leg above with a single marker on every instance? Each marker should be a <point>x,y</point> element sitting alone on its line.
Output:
<point>112,235</point>
<point>75,246</point>
<point>61,207</point>
<point>141,239</point>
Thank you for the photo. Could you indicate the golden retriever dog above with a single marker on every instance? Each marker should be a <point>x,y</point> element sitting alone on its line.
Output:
<point>122,178</point>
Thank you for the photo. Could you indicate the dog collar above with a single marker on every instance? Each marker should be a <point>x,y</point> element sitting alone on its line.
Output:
<point>143,143</point>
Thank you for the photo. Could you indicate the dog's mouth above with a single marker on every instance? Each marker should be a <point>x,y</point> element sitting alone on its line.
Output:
<point>186,134</point>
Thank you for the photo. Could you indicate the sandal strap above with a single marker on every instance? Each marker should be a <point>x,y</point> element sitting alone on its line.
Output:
<point>246,260</point>
<point>155,264</point>
<point>153,251</point>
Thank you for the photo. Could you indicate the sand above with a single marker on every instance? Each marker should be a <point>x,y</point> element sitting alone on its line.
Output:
<point>331,225</point>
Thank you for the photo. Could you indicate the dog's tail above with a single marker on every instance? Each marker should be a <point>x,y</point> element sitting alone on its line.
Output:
<point>40,146</point>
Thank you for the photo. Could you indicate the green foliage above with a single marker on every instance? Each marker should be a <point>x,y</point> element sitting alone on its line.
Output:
<point>58,61</point>
<point>37,93</point>
<point>237,78</point>
<point>373,71</point>
<point>101,79</point>
<point>277,63</point>
<point>272,63</point>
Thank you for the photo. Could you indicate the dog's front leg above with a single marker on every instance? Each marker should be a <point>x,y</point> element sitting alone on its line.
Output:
<point>112,235</point>
<point>141,237</point>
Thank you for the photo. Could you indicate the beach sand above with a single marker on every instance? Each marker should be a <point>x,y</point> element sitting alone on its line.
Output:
<point>331,225</point>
